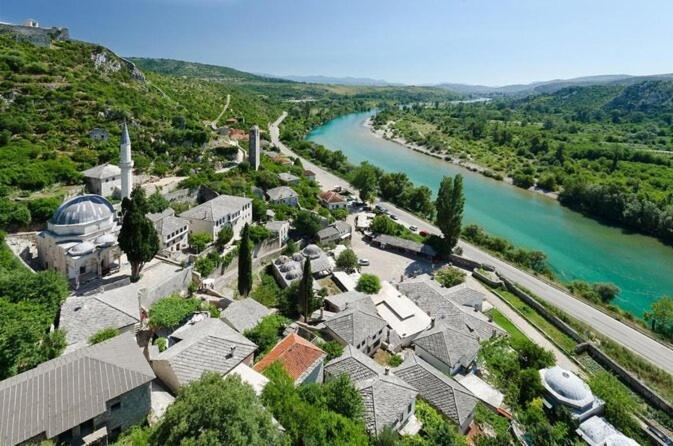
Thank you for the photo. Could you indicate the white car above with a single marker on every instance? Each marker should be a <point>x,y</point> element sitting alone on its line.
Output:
<point>413,228</point>
<point>363,262</point>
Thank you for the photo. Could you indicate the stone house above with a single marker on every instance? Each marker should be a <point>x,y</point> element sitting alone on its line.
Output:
<point>223,210</point>
<point>105,180</point>
<point>303,361</point>
<point>283,195</point>
<point>84,397</point>
<point>332,200</point>
<point>173,231</point>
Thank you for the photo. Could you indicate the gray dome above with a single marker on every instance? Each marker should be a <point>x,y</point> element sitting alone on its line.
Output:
<point>620,440</point>
<point>566,384</point>
<point>82,248</point>
<point>106,240</point>
<point>294,274</point>
<point>286,267</point>
<point>282,260</point>
<point>83,209</point>
<point>297,257</point>
<point>312,251</point>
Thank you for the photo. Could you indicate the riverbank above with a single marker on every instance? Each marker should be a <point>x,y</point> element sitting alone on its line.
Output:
<point>386,133</point>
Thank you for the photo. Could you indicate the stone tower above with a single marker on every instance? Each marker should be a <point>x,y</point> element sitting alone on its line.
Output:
<point>253,148</point>
<point>126,163</point>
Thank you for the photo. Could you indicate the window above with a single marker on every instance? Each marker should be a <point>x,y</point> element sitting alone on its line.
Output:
<point>82,269</point>
<point>116,406</point>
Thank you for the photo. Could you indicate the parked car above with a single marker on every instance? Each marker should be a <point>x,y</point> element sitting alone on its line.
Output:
<point>423,234</point>
<point>363,262</point>
<point>413,228</point>
<point>394,217</point>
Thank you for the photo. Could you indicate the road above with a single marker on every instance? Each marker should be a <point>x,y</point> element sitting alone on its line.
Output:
<point>639,343</point>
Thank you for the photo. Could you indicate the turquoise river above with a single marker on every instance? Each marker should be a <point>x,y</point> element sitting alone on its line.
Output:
<point>577,247</point>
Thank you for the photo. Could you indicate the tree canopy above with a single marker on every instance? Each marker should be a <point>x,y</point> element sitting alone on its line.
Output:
<point>449,204</point>
<point>137,237</point>
<point>368,284</point>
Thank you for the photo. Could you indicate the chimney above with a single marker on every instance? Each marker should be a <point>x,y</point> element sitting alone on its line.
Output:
<point>386,371</point>
<point>432,322</point>
<point>232,350</point>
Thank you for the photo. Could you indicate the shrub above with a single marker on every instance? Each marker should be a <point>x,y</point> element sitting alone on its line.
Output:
<point>450,276</point>
<point>171,311</point>
<point>162,343</point>
<point>368,284</point>
<point>267,292</point>
<point>267,332</point>
<point>103,335</point>
<point>224,236</point>
<point>332,348</point>
<point>200,240</point>
<point>395,360</point>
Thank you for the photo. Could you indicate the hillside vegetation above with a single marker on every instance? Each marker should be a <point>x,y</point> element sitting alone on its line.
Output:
<point>608,150</point>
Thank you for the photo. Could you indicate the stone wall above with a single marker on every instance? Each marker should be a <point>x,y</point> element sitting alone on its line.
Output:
<point>464,263</point>
<point>177,283</point>
<point>35,35</point>
<point>625,376</point>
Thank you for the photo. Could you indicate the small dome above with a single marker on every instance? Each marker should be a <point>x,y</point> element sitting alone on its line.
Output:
<point>286,267</point>
<point>294,274</point>
<point>83,209</point>
<point>282,260</point>
<point>567,384</point>
<point>312,251</point>
<point>82,248</point>
<point>106,240</point>
<point>297,257</point>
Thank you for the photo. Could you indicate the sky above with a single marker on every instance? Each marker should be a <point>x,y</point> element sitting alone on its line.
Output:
<point>488,42</point>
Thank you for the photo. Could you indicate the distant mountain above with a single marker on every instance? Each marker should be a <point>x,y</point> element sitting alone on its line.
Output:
<point>363,81</point>
<point>552,85</point>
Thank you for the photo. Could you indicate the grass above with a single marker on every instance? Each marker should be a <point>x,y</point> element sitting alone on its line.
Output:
<point>506,324</point>
<point>564,342</point>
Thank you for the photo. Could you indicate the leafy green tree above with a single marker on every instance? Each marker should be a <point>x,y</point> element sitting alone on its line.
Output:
<point>332,348</point>
<point>267,332</point>
<point>103,335</point>
<point>619,402</point>
<point>449,204</point>
<point>382,224</point>
<point>660,315</point>
<point>171,311</point>
<point>258,234</point>
<point>137,237</point>
<point>347,260</point>
<point>606,291</point>
<point>199,240</point>
<point>531,355</point>
<point>245,263</point>
<point>369,284</point>
<point>267,291</point>
<point>307,223</point>
<point>290,248</point>
<point>224,236</point>
<point>339,213</point>
<point>530,386</point>
<point>343,398</point>
<point>156,203</point>
<point>450,276</point>
<point>258,209</point>
<point>196,417</point>
<point>366,179</point>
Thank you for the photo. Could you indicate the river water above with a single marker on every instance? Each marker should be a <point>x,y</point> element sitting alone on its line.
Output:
<point>577,247</point>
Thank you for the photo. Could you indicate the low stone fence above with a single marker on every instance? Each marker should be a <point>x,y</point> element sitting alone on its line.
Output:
<point>464,263</point>
<point>625,376</point>
<point>495,283</point>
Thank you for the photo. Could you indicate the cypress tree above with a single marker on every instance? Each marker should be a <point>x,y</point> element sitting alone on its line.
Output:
<point>244,263</point>
<point>449,204</point>
<point>137,237</point>
<point>306,291</point>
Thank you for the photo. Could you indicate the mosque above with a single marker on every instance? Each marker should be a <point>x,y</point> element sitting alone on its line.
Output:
<point>81,237</point>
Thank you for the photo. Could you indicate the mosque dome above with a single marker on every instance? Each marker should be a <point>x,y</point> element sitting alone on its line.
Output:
<point>286,267</point>
<point>81,210</point>
<point>312,251</point>
<point>282,260</point>
<point>82,248</point>
<point>297,257</point>
<point>567,384</point>
<point>294,274</point>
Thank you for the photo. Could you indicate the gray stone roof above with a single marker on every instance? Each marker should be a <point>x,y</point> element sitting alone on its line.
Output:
<point>82,209</point>
<point>356,324</point>
<point>276,225</point>
<point>205,346</point>
<point>337,229</point>
<point>287,177</point>
<point>218,207</point>
<point>244,314</point>
<point>281,193</point>
<point>343,299</point>
<point>385,396</point>
<point>385,399</point>
<point>444,393</point>
<point>470,322</point>
<point>408,245</point>
<point>449,345</point>
<point>82,316</point>
<point>355,364</point>
<point>64,392</point>
<point>106,170</point>
<point>166,223</point>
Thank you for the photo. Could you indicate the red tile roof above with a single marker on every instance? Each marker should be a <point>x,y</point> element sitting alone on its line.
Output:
<point>331,197</point>
<point>295,353</point>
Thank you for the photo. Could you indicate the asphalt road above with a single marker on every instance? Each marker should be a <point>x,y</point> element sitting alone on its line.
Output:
<point>639,343</point>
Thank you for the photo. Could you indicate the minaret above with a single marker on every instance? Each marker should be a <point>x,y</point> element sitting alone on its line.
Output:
<point>126,163</point>
<point>253,147</point>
